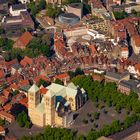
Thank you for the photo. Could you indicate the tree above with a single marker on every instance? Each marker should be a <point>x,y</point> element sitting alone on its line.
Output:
<point>58,81</point>
<point>53,12</point>
<point>2,122</point>
<point>1,31</point>
<point>43,82</point>
<point>86,9</point>
<point>120,14</point>
<point>23,120</point>
<point>6,44</point>
<point>36,7</point>
<point>15,92</point>
<point>42,4</point>
<point>96,115</point>
<point>71,1</point>
<point>134,12</point>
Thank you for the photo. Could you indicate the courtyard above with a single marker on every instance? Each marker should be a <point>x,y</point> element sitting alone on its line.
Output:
<point>92,117</point>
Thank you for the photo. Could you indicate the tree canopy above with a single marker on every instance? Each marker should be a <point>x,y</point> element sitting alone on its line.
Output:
<point>23,120</point>
<point>120,14</point>
<point>35,7</point>
<point>58,81</point>
<point>6,44</point>
<point>53,11</point>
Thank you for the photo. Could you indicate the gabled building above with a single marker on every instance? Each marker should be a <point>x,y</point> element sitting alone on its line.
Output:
<point>135,42</point>
<point>116,77</point>
<point>127,86</point>
<point>23,41</point>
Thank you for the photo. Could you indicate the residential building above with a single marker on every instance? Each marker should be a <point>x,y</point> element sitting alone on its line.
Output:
<point>135,42</point>
<point>23,41</point>
<point>56,107</point>
<point>7,116</point>
<point>124,52</point>
<point>116,77</point>
<point>2,131</point>
<point>127,86</point>
<point>137,69</point>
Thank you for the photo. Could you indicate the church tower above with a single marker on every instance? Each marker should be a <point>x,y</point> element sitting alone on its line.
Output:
<point>33,101</point>
<point>49,107</point>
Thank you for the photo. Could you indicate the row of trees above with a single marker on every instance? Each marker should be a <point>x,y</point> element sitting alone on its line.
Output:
<point>65,134</point>
<point>108,93</point>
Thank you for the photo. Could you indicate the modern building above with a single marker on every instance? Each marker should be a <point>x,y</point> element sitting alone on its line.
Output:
<point>76,8</point>
<point>68,18</point>
<point>56,106</point>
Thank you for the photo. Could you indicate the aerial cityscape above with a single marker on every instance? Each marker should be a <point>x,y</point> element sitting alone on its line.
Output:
<point>69,69</point>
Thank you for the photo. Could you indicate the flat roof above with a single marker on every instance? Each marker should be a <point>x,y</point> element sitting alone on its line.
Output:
<point>76,5</point>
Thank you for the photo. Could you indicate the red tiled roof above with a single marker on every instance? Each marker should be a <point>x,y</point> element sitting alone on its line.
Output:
<point>6,93</point>
<point>24,102</point>
<point>43,90</point>
<point>93,49</point>
<point>12,62</point>
<point>26,60</point>
<point>136,39</point>
<point>14,86</point>
<point>124,48</point>
<point>24,82</point>
<point>1,74</point>
<point>3,99</point>
<point>137,67</point>
<point>9,117</point>
<point>25,38</point>
<point>7,107</point>
<point>2,129</point>
<point>97,77</point>
<point>62,76</point>
<point>37,78</point>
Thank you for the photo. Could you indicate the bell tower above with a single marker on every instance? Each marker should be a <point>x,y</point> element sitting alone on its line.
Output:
<point>49,106</point>
<point>33,99</point>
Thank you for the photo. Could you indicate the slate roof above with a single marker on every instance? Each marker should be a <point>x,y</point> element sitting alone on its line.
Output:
<point>18,7</point>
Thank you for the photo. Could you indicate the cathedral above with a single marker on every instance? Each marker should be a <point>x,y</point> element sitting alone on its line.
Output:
<point>56,106</point>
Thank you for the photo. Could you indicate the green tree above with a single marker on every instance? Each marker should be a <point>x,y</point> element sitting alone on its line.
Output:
<point>58,81</point>
<point>120,14</point>
<point>43,82</point>
<point>2,122</point>
<point>53,12</point>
